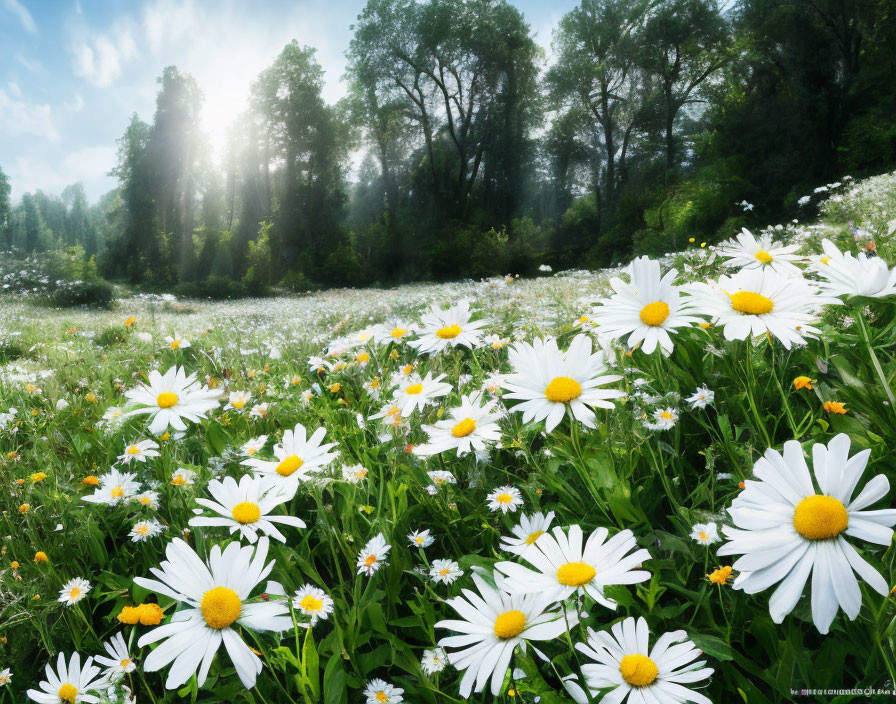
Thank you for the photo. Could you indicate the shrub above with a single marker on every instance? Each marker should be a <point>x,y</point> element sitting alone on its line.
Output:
<point>93,294</point>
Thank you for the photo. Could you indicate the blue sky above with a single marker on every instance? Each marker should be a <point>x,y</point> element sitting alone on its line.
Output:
<point>73,71</point>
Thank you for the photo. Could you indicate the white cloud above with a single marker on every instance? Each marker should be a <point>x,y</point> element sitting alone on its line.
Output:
<point>90,165</point>
<point>32,65</point>
<point>20,11</point>
<point>19,117</point>
<point>100,58</point>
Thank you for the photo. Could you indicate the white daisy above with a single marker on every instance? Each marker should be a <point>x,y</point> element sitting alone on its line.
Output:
<point>381,692</point>
<point>237,400</point>
<point>552,383</point>
<point>439,477</point>
<point>373,556</point>
<point>171,399</point>
<point>846,275</point>
<point>175,342</point>
<point>149,499</point>
<point>705,533</point>
<point>445,571</point>
<point>297,456</point>
<point>144,530</point>
<point>313,602</point>
<point>469,427</point>
<point>747,252</point>
<point>433,661</point>
<point>69,684</point>
<point>392,331</point>
<point>254,445</point>
<point>139,451</point>
<point>215,596</point>
<point>119,661</point>
<point>759,301</point>
<point>73,591</point>
<point>183,477</point>
<point>625,662</point>
<point>702,397</point>
<point>646,310</point>
<point>663,419</point>
<point>6,676</point>
<point>354,473</point>
<point>494,624</point>
<point>260,410</point>
<point>785,530</point>
<point>504,499</point>
<point>420,539</point>
<point>245,507</point>
<point>563,567</point>
<point>415,392</point>
<point>441,329</point>
<point>115,487</point>
<point>529,529</point>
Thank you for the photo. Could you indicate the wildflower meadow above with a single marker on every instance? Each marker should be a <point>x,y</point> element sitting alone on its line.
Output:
<point>663,483</point>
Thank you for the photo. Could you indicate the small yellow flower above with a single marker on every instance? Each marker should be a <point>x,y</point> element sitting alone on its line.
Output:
<point>703,244</point>
<point>38,477</point>
<point>691,240</point>
<point>24,508</point>
<point>36,597</point>
<point>803,382</point>
<point>130,322</point>
<point>14,564</point>
<point>334,387</point>
<point>20,481</point>
<point>835,407</point>
<point>90,480</point>
<point>41,556</point>
<point>705,326</point>
<point>721,575</point>
<point>150,614</point>
<point>128,615</point>
<point>90,396</point>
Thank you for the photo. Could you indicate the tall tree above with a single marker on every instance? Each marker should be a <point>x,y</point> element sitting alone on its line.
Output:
<point>5,208</point>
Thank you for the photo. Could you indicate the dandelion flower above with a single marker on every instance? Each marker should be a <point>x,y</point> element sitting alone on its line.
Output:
<point>785,529</point>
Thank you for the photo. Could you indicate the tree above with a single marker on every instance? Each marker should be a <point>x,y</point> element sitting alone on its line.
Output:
<point>5,207</point>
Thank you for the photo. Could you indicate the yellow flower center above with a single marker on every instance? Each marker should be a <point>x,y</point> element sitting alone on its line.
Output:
<point>764,256</point>
<point>398,332</point>
<point>363,357</point>
<point>239,403</point>
<point>751,303</point>
<point>575,574</point>
<point>311,603</point>
<point>166,399</point>
<point>370,560</point>
<point>67,693</point>
<point>702,535</point>
<point>116,492</point>
<point>563,389</point>
<point>503,498</point>
<point>464,428</point>
<point>534,536</point>
<point>175,344</point>
<point>133,450</point>
<point>220,607</point>
<point>381,696</point>
<point>125,662</point>
<point>289,465</point>
<point>449,333</point>
<point>665,415</point>
<point>655,314</point>
<point>638,670</point>
<point>820,517</point>
<point>824,260</point>
<point>246,512</point>
<point>510,624</point>
<point>73,593</point>
<point>142,530</point>
<point>444,572</point>
<point>414,390</point>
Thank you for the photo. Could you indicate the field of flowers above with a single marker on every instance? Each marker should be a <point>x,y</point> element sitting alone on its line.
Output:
<point>659,484</point>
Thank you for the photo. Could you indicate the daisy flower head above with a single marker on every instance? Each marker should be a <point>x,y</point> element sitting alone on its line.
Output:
<point>493,624</point>
<point>785,529</point>
<point>114,487</point>
<point>215,596</point>
<point>313,602</point>
<point>470,427</point>
<point>846,275</point>
<point>434,660</point>
<point>139,452</point>
<point>445,571</point>
<point>663,419</point>
<point>754,302</point>
<point>246,507</point>
<point>119,661</point>
<point>253,446</point>
<point>172,398</point>
<point>504,499</point>
<point>624,661</point>
<point>73,591</point>
<point>6,676</point>
<point>392,331</point>
<point>529,529</point>
<point>745,251</point>
<point>183,477</point>
<point>144,530</point>
<point>237,400</point>
<point>441,329</point>
<point>564,567</point>
<point>354,473</point>
<point>381,692</point>
<point>415,392</point>
<point>420,539</point>
<point>702,397</point>
<point>646,310</point>
<point>373,556</point>
<point>551,383</point>
<point>69,683</point>
<point>705,533</point>
<point>176,342</point>
<point>297,455</point>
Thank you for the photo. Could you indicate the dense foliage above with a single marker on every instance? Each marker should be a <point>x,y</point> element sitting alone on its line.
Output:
<point>654,121</point>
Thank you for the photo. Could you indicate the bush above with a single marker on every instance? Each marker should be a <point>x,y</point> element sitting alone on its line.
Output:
<point>217,288</point>
<point>93,294</point>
